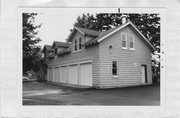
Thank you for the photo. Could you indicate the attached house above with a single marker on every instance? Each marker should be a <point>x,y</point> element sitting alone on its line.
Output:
<point>118,57</point>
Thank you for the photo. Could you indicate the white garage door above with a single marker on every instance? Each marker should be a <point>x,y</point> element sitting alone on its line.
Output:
<point>73,74</point>
<point>63,74</point>
<point>56,74</point>
<point>86,74</point>
<point>50,74</point>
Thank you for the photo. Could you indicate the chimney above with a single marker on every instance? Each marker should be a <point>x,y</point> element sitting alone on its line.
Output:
<point>123,18</point>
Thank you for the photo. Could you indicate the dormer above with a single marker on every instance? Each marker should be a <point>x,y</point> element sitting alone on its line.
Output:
<point>59,46</point>
<point>79,36</point>
<point>47,51</point>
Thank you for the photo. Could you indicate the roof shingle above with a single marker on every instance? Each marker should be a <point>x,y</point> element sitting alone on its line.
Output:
<point>47,47</point>
<point>60,44</point>
<point>88,31</point>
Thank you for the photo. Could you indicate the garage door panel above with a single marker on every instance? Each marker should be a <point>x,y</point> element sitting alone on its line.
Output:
<point>56,75</point>
<point>50,74</point>
<point>86,74</point>
<point>73,74</point>
<point>63,74</point>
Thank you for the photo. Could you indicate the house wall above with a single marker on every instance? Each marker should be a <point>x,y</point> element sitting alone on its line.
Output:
<point>85,54</point>
<point>129,61</point>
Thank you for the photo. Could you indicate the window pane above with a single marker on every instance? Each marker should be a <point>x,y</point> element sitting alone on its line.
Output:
<point>114,71</point>
<point>80,40</point>
<point>123,37</point>
<point>123,40</point>
<point>131,42</point>
<point>56,51</point>
<point>131,38</point>
<point>131,45</point>
<point>75,45</point>
<point>123,43</point>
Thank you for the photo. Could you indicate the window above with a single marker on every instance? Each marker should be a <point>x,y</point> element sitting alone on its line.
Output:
<point>75,45</point>
<point>80,43</point>
<point>56,50</point>
<point>114,67</point>
<point>131,42</point>
<point>124,41</point>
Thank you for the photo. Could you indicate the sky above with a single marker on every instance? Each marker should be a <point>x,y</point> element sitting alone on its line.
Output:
<point>57,22</point>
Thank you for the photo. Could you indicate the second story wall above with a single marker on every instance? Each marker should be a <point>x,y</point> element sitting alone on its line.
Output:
<point>90,53</point>
<point>128,61</point>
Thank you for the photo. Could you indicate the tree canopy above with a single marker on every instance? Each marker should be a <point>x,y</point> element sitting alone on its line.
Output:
<point>29,34</point>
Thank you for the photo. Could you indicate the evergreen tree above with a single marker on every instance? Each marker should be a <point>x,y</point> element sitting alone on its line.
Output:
<point>30,41</point>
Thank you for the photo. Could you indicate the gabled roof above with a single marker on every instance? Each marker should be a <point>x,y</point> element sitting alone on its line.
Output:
<point>60,44</point>
<point>111,31</point>
<point>47,47</point>
<point>88,31</point>
<point>84,31</point>
<point>67,50</point>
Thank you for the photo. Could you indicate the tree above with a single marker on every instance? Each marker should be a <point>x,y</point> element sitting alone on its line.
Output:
<point>86,21</point>
<point>149,25</point>
<point>30,47</point>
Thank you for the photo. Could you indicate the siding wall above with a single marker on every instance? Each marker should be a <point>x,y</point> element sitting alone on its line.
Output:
<point>86,54</point>
<point>129,61</point>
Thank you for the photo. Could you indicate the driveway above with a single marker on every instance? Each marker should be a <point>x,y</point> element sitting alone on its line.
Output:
<point>35,93</point>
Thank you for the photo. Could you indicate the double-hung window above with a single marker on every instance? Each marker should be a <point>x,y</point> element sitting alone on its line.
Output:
<point>114,68</point>
<point>131,42</point>
<point>124,41</point>
<point>75,45</point>
<point>80,43</point>
<point>56,50</point>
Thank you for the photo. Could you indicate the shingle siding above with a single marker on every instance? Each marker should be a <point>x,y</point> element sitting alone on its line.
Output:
<point>129,61</point>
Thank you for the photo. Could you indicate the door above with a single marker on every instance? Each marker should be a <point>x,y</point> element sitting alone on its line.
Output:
<point>143,74</point>
<point>86,74</point>
<point>63,74</point>
<point>56,74</point>
<point>73,74</point>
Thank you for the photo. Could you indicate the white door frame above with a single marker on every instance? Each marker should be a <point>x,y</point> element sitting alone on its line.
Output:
<point>145,73</point>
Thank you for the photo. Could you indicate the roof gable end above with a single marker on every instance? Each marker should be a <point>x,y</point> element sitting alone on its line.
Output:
<point>60,44</point>
<point>114,30</point>
<point>83,31</point>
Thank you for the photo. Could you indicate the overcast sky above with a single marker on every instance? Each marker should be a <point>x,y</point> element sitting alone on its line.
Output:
<point>57,22</point>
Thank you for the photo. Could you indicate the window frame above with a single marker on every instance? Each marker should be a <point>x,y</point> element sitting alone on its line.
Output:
<point>130,35</point>
<point>56,51</point>
<point>116,68</point>
<point>75,47</point>
<point>79,44</point>
<point>122,40</point>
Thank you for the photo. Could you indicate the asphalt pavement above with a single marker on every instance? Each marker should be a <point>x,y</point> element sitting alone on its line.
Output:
<point>36,93</point>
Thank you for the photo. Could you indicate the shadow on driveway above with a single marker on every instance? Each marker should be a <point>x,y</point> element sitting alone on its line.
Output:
<point>35,93</point>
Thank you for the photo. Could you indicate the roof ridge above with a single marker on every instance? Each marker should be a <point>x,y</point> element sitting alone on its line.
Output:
<point>82,30</point>
<point>60,42</point>
<point>87,29</point>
